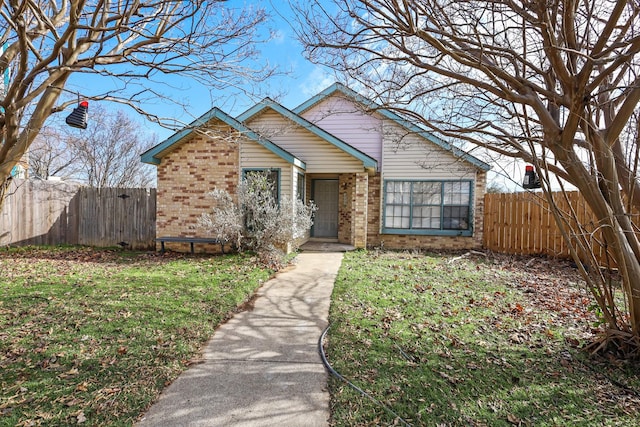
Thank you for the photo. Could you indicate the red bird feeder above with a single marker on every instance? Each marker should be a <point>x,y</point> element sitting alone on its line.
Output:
<point>531,179</point>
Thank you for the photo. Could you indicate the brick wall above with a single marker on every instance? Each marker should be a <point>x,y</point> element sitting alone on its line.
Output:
<point>353,209</point>
<point>186,176</point>
<point>360,210</point>
<point>345,207</point>
<point>478,214</point>
<point>410,241</point>
<point>374,216</point>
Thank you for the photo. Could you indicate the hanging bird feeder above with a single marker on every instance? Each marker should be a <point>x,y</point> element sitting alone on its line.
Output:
<point>79,115</point>
<point>531,179</point>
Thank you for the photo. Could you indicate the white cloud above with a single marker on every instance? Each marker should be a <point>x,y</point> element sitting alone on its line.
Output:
<point>317,80</point>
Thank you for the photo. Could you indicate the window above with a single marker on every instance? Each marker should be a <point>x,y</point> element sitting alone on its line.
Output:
<point>273,177</point>
<point>301,187</point>
<point>428,207</point>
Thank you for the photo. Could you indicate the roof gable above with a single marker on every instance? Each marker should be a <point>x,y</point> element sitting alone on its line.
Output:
<point>155,154</point>
<point>340,88</point>
<point>267,103</point>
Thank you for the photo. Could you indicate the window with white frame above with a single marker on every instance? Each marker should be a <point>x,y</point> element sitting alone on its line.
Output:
<point>428,207</point>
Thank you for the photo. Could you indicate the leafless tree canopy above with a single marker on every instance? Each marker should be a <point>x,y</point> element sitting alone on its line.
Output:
<point>554,83</point>
<point>49,155</point>
<point>109,153</point>
<point>132,42</point>
<point>106,154</point>
<point>507,74</point>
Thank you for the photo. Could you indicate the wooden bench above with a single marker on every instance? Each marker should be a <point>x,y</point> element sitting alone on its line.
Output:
<point>190,240</point>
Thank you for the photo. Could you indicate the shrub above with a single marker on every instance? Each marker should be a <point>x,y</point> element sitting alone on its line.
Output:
<point>256,221</point>
<point>225,220</point>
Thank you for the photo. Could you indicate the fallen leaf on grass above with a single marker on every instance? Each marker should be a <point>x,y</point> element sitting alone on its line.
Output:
<point>80,417</point>
<point>110,390</point>
<point>513,419</point>
<point>73,402</point>
<point>518,338</point>
<point>70,373</point>
<point>517,309</point>
<point>449,378</point>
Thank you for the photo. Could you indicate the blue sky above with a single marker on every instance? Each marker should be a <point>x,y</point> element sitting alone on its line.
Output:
<point>302,80</point>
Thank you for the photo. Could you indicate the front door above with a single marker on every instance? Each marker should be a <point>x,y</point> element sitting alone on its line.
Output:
<point>325,195</point>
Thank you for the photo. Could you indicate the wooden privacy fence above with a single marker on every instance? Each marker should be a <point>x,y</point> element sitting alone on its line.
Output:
<point>50,213</point>
<point>522,223</point>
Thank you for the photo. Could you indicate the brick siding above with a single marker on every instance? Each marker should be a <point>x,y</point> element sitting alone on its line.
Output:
<point>345,207</point>
<point>186,176</point>
<point>353,209</point>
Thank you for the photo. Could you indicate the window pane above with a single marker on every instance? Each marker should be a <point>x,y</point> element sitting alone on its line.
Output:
<point>426,193</point>
<point>426,217</point>
<point>455,218</point>
<point>427,205</point>
<point>397,216</point>
<point>272,177</point>
<point>457,193</point>
<point>301,187</point>
<point>398,192</point>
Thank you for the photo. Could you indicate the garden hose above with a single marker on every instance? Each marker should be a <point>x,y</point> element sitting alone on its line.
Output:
<point>336,374</point>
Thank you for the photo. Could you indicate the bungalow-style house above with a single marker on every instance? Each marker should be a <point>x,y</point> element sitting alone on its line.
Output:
<point>376,178</point>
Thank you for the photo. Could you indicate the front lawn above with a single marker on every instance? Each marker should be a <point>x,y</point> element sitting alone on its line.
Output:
<point>470,341</point>
<point>92,336</point>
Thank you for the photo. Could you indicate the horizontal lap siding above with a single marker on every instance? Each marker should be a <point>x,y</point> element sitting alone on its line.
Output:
<point>255,156</point>
<point>349,122</point>
<point>319,155</point>
<point>409,156</point>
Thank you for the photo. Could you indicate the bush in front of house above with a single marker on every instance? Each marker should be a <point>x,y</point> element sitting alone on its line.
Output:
<point>257,221</point>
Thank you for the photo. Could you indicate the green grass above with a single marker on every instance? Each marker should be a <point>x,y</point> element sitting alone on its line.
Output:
<point>470,342</point>
<point>92,336</point>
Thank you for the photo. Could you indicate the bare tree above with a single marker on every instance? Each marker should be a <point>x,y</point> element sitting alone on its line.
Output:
<point>131,42</point>
<point>554,83</point>
<point>49,155</point>
<point>108,152</point>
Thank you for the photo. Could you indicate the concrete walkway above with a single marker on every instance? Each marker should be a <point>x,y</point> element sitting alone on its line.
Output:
<point>262,367</point>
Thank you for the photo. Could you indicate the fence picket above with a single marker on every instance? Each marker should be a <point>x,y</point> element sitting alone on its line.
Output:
<point>43,212</point>
<point>522,223</point>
